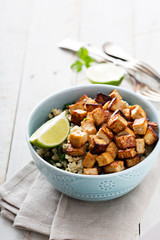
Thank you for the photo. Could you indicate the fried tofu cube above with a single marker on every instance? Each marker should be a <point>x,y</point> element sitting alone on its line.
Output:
<point>77,105</point>
<point>140,145</point>
<point>154,125</point>
<point>104,159</point>
<point>77,116</point>
<point>106,134</point>
<point>113,167</point>
<point>116,103</point>
<point>89,160</point>
<point>112,149</point>
<point>126,131</point>
<point>78,138</point>
<point>83,98</point>
<point>140,126</point>
<point>90,137</point>
<point>126,153</point>
<point>75,152</point>
<point>125,141</point>
<point>115,94</point>
<point>90,171</point>
<point>130,125</point>
<point>150,136</point>
<point>99,116</point>
<point>90,116</point>
<point>118,111</point>
<point>117,123</point>
<point>97,146</point>
<point>91,106</point>
<point>88,126</point>
<point>102,98</point>
<point>127,113</point>
<point>138,112</point>
<point>105,106</point>
<point>133,161</point>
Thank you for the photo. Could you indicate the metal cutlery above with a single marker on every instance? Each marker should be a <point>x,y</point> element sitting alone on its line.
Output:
<point>140,85</point>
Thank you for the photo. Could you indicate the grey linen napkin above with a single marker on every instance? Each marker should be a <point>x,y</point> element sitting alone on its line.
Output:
<point>35,205</point>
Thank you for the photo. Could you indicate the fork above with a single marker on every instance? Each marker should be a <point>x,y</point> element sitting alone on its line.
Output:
<point>145,90</point>
<point>100,56</point>
<point>114,51</point>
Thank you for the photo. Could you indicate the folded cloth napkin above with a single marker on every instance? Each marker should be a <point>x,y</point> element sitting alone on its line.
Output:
<point>35,205</point>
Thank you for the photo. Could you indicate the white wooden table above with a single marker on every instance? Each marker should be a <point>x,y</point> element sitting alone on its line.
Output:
<point>32,67</point>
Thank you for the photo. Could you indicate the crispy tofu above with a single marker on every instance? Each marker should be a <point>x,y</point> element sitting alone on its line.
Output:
<point>90,137</point>
<point>105,106</point>
<point>99,116</point>
<point>90,116</point>
<point>75,152</point>
<point>89,101</point>
<point>112,149</point>
<point>133,161</point>
<point>116,103</point>
<point>102,98</point>
<point>115,94</point>
<point>88,126</point>
<point>106,134</point>
<point>154,125</point>
<point>89,160</point>
<point>140,145</point>
<point>77,105</point>
<point>140,126</point>
<point>77,116</point>
<point>118,111</point>
<point>127,113</point>
<point>126,131</point>
<point>90,171</point>
<point>83,98</point>
<point>91,106</point>
<point>78,138</point>
<point>117,123</point>
<point>104,159</point>
<point>115,166</point>
<point>97,146</point>
<point>150,136</point>
<point>130,125</point>
<point>138,112</point>
<point>126,153</point>
<point>126,141</point>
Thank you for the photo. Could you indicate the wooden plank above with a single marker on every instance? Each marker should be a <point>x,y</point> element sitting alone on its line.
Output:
<point>14,23</point>
<point>106,20</point>
<point>47,68</point>
<point>147,38</point>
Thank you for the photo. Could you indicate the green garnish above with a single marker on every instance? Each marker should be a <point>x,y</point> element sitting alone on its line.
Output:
<point>84,119</point>
<point>84,60</point>
<point>61,154</point>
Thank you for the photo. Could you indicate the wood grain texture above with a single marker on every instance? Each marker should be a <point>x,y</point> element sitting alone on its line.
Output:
<point>32,67</point>
<point>14,24</point>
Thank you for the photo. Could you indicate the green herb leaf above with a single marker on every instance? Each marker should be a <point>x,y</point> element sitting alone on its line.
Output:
<point>77,65</point>
<point>61,154</point>
<point>85,60</point>
<point>84,119</point>
<point>82,53</point>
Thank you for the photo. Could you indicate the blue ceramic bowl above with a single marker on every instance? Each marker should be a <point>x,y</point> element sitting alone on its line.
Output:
<point>85,187</point>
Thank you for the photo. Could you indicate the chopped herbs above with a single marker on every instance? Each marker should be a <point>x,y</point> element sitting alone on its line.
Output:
<point>84,60</point>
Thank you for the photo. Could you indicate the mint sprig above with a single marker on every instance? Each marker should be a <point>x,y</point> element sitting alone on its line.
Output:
<point>84,60</point>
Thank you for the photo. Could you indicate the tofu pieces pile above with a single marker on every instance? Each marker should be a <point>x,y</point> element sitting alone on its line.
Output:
<point>117,133</point>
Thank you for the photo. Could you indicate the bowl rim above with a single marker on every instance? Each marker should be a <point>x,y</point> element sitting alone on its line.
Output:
<point>110,87</point>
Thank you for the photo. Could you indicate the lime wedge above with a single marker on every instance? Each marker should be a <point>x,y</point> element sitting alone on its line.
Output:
<point>105,73</point>
<point>52,133</point>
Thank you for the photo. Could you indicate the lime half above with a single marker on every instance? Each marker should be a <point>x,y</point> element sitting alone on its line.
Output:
<point>105,73</point>
<point>52,133</point>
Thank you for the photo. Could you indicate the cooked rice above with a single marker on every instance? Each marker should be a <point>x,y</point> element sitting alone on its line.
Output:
<point>70,164</point>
